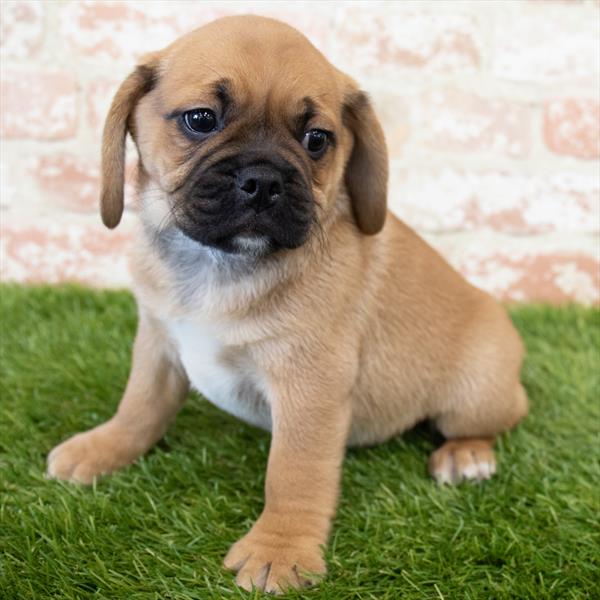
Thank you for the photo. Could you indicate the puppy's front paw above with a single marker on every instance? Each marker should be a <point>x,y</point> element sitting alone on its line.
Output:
<point>460,460</point>
<point>88,455</point>
<point>273,562</point>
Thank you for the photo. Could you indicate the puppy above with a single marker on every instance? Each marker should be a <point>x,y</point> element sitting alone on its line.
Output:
<point>270,277</point>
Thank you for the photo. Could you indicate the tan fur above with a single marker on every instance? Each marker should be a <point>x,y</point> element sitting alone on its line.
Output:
<point>353,338</point>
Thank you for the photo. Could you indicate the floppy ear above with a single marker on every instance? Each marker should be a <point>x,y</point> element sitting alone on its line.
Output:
<point>367,168</point>
<point>116,126</point>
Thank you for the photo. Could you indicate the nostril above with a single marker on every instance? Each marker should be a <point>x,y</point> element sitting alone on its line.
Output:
<point>249,186</point>
<point>259,186</point>
<point>275,189</point>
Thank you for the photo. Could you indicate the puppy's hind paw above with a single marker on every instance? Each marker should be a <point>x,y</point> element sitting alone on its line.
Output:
<point>463,460</point>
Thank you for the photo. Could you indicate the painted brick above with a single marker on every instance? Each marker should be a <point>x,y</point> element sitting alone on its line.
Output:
<point>547,44</point>
<point>98,97</point>
<point>453,120</point>
<point>438,200</point>
<point>21,29</point>
<point>553,277</point>
<point>71,181</point>
<point>38,104</point>
<point>9,192</point>
<point>104,31</point>
<point>399,38</point>
<point>68,250</point>
<point>74,182</point>
<point>316,25</point>
<point>572,126</point>
<point>109,31</point>
<point>547,269</point>
<point>393,112</point>
<point>546,277</point>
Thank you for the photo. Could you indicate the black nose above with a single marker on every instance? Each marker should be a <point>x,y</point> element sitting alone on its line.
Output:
<point>260,186</point>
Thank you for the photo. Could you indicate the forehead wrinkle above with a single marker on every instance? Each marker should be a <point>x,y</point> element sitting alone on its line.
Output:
<point>208,97</point>
<point>310,110</point>
<point>304,113</point>
<point>222,90</point>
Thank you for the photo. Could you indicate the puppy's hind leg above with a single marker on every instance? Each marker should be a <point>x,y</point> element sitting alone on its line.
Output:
<point>484,398</point>
<point>468,452</point>
<point>155,391</point>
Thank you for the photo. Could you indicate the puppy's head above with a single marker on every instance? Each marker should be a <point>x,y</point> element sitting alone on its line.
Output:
<point>249,140</point>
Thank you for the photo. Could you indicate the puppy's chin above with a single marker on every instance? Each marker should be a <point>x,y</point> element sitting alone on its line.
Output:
<point>252,245</point>
<point>257,240</point>
<point>243,245</point>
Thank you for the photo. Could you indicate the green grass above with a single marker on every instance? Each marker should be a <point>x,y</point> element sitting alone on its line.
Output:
<point>160,528</point>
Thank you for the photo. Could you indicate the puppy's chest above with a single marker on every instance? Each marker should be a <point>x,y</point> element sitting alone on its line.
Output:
<point>222,373</point>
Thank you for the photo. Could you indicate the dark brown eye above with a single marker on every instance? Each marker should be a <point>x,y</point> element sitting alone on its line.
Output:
<point>315,142</point>
<point>200,120</point>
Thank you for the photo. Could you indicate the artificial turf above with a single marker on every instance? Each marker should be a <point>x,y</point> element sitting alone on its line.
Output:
<point>160,528</point>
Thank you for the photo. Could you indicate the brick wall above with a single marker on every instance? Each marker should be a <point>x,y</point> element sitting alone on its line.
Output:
<point>491,110</point>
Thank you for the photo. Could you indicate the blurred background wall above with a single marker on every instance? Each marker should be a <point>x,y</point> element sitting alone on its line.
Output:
<point>491,110</point>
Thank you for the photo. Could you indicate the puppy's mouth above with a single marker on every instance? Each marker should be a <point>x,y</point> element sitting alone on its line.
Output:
<point>250,206</point>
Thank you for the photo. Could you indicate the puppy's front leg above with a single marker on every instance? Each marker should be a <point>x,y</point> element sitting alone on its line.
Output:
<point>156,389</point>
<point>284,547</point>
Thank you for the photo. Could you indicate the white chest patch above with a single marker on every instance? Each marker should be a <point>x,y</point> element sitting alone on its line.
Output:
<point>222,374</point>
